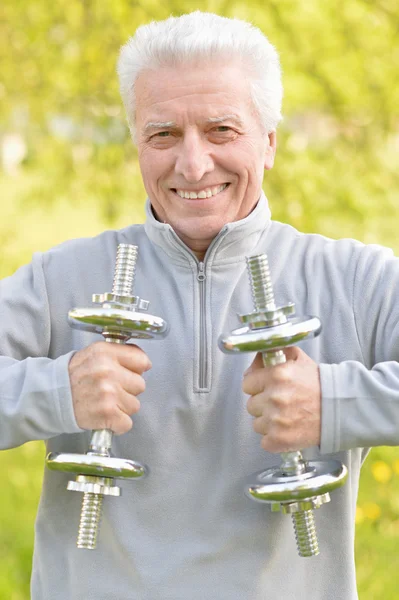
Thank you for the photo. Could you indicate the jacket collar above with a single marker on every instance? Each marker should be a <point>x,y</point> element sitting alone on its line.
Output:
<point>235,240</point>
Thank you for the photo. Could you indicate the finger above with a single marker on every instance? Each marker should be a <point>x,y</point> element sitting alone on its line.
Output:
<point>113,412</point>
<point>256,405</point>
<point>130,381</point>
<point>253,383</point>
<point>293,353</point>
<point>257,363</point>
<point>260,425</point>
<point>131,357</point>
<point>122,390</point>
<point>256,381</point>
<point>128,404</point>
<point>122,425</point>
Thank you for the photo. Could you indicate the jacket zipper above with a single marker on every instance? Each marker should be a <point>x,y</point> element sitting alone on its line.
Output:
<point>201,277</point>
<point>203,346</point>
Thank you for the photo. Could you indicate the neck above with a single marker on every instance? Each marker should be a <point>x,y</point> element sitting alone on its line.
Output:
<point>198,247</point>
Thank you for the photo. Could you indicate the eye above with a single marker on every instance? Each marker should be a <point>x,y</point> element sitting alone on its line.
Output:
<point>162,134</point>
<point>222,134</point>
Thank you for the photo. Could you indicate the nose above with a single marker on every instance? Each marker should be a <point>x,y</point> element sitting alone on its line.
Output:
<point>193,160</point>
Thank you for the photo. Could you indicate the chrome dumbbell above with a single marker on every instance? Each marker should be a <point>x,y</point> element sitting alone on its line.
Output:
<point>118,316</point>
<point>297,486</point>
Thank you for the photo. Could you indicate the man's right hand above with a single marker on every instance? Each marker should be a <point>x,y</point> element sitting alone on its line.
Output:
<point>106,379</point>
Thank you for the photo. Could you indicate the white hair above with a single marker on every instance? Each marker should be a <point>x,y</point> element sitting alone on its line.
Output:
<point>203,36</point>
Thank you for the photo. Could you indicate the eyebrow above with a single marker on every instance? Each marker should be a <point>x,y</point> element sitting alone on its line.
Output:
<point>224,118</point>
<point>151,125</point>
<point>159,125</point>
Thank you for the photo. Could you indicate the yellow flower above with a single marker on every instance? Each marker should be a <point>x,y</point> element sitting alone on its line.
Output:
<point>371,510</point>
<point>381,471</point>
<point>395,465</point>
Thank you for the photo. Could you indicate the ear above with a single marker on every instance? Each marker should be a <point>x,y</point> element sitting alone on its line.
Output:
<point>270,150</point>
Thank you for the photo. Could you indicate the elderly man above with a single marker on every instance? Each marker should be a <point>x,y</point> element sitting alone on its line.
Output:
<point>203,96</point>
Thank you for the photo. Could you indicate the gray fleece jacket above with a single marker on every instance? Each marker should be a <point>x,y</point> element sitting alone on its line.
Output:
<point>188,532</point>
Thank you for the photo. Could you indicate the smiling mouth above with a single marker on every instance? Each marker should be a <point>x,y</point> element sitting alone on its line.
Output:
<point>205,193</point>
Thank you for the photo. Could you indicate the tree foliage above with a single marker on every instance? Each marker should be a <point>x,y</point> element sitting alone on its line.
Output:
<point>337,167</point>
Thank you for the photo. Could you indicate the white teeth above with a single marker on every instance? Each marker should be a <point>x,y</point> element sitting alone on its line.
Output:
<point>207,193</point>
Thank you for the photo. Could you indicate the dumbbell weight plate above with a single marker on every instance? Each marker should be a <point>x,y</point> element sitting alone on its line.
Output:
<point>320,477</point>
<point>132,324</point>
<point>93,464</point>
<point>244,339</point>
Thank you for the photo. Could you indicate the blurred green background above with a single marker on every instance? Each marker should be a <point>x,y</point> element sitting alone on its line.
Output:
<point>68,169</point>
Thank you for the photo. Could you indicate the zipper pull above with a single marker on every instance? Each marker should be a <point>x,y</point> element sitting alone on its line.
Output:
<point>201,272</point>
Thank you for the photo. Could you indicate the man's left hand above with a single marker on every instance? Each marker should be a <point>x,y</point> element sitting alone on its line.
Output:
<point>285,401</point>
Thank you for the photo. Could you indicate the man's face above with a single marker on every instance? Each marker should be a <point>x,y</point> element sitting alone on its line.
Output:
<point>202,150</point>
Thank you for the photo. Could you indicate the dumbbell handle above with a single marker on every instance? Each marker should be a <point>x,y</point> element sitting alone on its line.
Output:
<point>293,463</point>
<point>101,439</point>
<point>263,297</point>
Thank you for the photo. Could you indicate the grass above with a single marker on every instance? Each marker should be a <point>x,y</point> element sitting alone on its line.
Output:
<point>22,470</point>
<point>377,528</point>
<point>377,539</point>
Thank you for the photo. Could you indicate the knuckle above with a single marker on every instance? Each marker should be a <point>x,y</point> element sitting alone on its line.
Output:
<point>107,410</point>
<point>96,350</point>
<point>281,422</point>
<point>99,346</point>
<point>280,398</point>
<point>283,374</point>
<point>105,368</point>
<point>104,374</point>
<point>107,388</point>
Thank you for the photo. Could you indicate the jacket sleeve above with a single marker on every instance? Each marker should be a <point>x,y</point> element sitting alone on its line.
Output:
<point>35,395</point>
<point>360,400</point>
